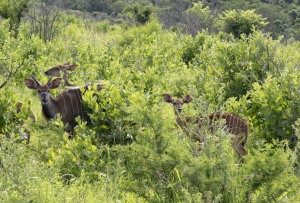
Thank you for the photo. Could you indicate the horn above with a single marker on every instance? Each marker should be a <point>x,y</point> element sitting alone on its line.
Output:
<point>49,81</point>
<point>37,82</point>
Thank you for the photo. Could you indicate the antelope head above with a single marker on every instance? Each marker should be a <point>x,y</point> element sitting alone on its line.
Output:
<point>43,90</point>
<point>233,123</point>
<point>68,104</point>
<point>177,103</point>
<point>182,122</point>
<point>55,71</point>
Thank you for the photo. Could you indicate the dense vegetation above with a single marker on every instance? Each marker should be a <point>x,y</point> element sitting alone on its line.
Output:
<point>133,151</point>
<point>283,15</point>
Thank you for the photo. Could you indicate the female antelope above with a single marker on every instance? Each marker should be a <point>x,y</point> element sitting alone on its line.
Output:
<point>233,123</point>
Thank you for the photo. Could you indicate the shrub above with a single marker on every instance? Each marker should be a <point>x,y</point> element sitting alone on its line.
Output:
<point>238,22</point>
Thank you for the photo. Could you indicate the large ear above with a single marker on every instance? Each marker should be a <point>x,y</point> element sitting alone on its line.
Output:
<point>168,98</point>
<point>188,99</point>
<point>55,83</point>
<point>72,67</point>
<point>31,84</point>
<point>66,63</point>
<point>53,72</point>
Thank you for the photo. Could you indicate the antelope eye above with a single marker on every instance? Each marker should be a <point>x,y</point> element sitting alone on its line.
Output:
<point>174,103</point>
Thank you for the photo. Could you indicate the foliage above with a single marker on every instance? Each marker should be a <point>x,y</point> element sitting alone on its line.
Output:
<point>7,72</point>
<point>283,108</point>
<point>46,20</point>
<point>171,13</point>
<point>275,13</point>
<point>281,15</point>
<point>13,10</point>
<point>199,18</point>
<point>10,62</point>
<point>192,47</point>
<point>238,22</point>
<point>132,151</point>
<point>140,14</point>
<point>266,163</point>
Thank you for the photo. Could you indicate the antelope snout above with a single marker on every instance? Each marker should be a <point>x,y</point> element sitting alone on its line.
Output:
<point>44,98</point>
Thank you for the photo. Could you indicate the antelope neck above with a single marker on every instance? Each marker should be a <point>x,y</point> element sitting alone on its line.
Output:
<point>49,109</point>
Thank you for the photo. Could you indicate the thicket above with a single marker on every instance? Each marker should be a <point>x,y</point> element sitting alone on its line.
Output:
<point>133,151</point>
<point>283,15</point>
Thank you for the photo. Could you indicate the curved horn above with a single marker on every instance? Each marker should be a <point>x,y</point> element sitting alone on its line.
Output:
<point>49,81</point>
<point>37,82</point>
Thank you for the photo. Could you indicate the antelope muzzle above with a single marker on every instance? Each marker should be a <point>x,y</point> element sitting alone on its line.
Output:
<point>44,97</point>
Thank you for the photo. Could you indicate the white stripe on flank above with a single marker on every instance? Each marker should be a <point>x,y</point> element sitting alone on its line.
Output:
<point>77,94</point>
<point>71,103</point>
<point>63,96</point>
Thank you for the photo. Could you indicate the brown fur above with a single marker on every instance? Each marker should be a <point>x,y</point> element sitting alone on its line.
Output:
<point>55,71</point>
<point>68,104</point>
<point>233,123</point>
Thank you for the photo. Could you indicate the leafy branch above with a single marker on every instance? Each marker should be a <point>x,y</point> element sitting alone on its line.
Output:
<point>8,72</point>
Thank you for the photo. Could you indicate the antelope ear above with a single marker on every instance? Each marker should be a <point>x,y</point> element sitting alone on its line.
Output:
<point>72,67</point>
<point>53,72</point>
<point>55,83</point>
<point>31,84</point>
<point>188,99</point>
<point>168,98</point>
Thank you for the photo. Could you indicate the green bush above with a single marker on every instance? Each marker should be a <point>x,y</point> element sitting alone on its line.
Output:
<point>133,150</point>
<point>239,22</point>
<point>269,161</point>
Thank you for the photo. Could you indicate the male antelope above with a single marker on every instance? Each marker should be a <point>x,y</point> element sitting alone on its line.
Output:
<point>68,104</point>
<point>55,71</point>
<point>233,123</point>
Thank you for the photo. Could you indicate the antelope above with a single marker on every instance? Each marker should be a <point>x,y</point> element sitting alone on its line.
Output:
<point>233,123</point>
<point>68,104</point>
<point>55,71</point>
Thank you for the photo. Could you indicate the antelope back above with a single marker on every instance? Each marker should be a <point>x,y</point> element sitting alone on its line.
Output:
<point>70,105</point>
<point>235,125</point>
<point>70,102</point>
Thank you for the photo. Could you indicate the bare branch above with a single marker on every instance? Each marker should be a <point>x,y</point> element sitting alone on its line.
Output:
<point>45,19</point>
